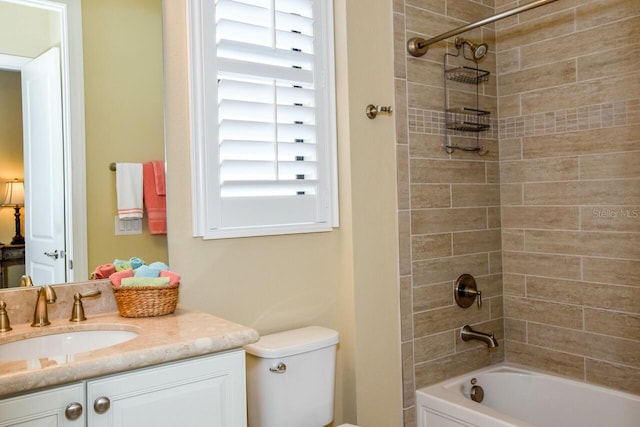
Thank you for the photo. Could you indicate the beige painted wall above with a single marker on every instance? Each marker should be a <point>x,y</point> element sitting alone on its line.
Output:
<point>27,31</point>
<point>344,279</point>
<point>123,115</point>
<point>10,144</point>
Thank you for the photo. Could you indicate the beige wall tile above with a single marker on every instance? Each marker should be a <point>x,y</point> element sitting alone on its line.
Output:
<point>509,106</point>
<point>476,241</point>
<point>408,384</point>
<point>596,141</point>
<point>612,297</point>
<point>545,27</point>
<point>514,284</point>
<point>559,169</point>
<point>495,263</point>
<point>425,97</point>
<point>512,240</point>
<point>493,172</point>
<point>436,6</point>
<point>406,309</point>
<point>424,71</point>
<point>427,146</point>
<point>541,217</point>
<point>561,266</point>
<point>515,329</point>
<point>621,192</point>
<point>424,196</point>
<point>510,149</point>
<point>508,62</point>
<point>400,111</point>
<point>606,166</point>
<point>595,14</point>
<point>568,316</point>
<point>605,244</point>
<point>434,346</point>
<point>432,296</point>
<point>446,171</point>
<point>451,366</point>
<point>594,346</point>
<point>404,242</point>
<point>613,271</point>
<point>611,375</point>
<point>468,11</point>
<point>399,46</point>
<point>463,195</point>
<point>443,220</point>
<point>611,218</point>
<point>441,270</point>
<point>584,93</point>
<point>613,34</point>
<point>556,362</point>
<point>402,165</point>
<point>428,246</point>
<point>622,325</point>
<point>443,319</point>
<point>493,217</point>
<point>536,78</point>
<point>606,63</point>
<point>491,285</point>
<point>511,194</point>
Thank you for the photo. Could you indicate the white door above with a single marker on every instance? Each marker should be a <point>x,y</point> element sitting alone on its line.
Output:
<point>43,169</point>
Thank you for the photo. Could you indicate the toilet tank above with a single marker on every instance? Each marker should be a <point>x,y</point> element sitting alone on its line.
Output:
<point>291,378</point>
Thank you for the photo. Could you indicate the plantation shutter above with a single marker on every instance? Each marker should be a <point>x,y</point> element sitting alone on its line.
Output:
<point>270,133</point>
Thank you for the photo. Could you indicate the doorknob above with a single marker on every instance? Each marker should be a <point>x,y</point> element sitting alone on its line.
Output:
<point>53,254</point>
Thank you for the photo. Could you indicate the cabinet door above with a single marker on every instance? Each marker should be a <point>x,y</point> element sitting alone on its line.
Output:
<point>43,409</point>
<point>208,391</point>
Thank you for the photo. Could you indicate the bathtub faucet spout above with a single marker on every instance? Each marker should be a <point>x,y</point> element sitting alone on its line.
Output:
<point>466,333</point>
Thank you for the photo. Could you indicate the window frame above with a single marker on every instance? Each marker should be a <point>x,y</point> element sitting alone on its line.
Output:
<point>206,185</point>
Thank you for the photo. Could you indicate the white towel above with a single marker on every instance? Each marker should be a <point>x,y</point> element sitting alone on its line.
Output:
<point>129,190</point>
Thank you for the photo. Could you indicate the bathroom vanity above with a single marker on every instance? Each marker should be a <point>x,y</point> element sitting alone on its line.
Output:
<point>183,369</point>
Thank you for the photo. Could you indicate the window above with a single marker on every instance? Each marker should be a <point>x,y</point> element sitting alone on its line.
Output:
<point>263,117</point>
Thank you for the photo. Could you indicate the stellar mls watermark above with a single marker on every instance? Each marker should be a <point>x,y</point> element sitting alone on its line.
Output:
<point>620,213</point>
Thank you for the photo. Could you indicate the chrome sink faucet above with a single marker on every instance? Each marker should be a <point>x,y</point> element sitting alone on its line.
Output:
<point>466,333</point>
<point>46,295</point>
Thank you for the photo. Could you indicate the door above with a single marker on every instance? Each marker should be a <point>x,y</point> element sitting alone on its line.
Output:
<point>45,256</point>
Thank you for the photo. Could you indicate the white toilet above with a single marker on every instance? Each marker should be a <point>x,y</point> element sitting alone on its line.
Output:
<point>291,378</point>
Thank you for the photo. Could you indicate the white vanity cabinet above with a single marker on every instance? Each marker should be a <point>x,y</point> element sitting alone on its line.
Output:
<point>58,407</point>
<point>205,391</point>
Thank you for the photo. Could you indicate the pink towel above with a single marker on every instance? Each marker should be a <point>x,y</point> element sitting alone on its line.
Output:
<point>158,174</point>
<point>116,278</point>
<point>103,271</point>
<point>155,204</point>
<point>174,278</point>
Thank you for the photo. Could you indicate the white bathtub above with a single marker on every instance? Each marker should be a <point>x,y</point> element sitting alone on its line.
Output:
<point>516,397</point>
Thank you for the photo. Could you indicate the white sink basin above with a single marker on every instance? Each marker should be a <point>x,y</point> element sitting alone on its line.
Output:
<point>61,344</point>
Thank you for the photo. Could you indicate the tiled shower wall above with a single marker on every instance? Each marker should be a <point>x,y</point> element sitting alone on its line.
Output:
<point>555,205</point>
<point>449,205</point>
<point>569,104</point>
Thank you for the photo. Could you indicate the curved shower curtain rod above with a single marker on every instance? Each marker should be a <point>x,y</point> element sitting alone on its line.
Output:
<point>418,46</point>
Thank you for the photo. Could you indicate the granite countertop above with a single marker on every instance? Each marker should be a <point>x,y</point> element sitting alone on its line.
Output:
<point>183,334</point>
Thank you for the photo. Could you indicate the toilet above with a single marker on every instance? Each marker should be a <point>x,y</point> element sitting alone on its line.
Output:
<point>291,378</point>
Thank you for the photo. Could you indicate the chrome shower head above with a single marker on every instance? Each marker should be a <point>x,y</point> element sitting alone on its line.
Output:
<point>478,50</point>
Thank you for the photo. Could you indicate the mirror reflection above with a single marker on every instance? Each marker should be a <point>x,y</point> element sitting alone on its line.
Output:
<point>121,53</point>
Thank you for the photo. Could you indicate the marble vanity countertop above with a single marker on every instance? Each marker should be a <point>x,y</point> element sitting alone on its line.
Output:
<point>183,334</point>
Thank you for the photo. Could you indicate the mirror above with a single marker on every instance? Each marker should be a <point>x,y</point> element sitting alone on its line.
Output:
<point>123,122</point>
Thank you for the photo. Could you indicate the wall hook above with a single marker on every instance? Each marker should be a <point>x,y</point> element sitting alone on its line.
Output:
<point>374,110</point>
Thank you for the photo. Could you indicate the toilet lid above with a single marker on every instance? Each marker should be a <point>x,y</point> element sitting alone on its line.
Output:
<point>297,341</point>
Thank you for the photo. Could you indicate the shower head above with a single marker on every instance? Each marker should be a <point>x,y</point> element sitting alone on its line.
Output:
<point>478,50</point>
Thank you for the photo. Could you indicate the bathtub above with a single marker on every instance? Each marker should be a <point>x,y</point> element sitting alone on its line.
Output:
<point>518,397</point>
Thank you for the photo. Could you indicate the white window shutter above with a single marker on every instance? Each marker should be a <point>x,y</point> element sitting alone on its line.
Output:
<point>263,117</point>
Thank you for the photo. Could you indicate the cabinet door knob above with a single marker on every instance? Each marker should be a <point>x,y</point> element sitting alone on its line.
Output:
<point>73,411</point>
<point>101,405</point>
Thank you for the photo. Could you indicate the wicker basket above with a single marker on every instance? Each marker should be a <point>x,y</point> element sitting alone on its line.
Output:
<point>146,301</point>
